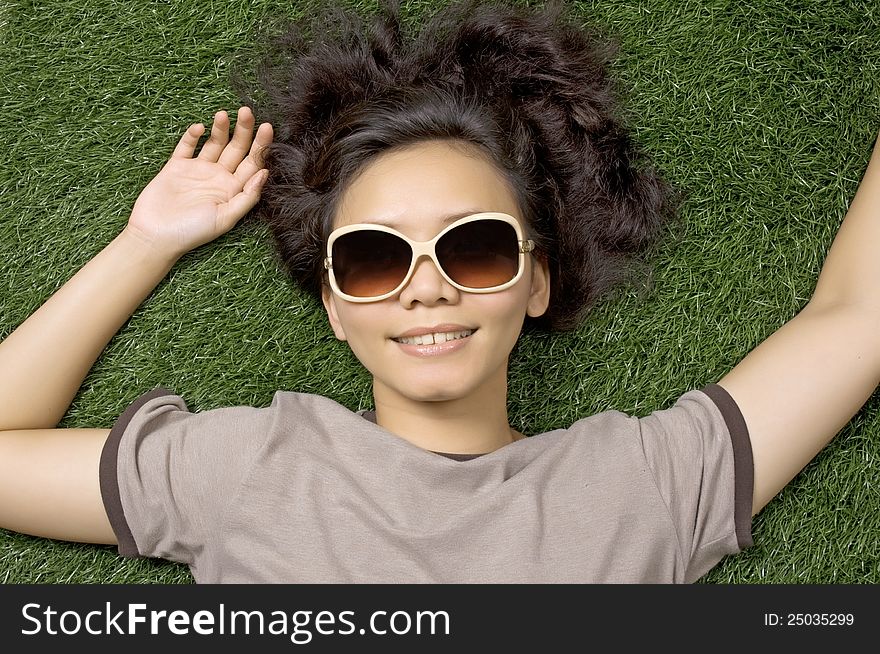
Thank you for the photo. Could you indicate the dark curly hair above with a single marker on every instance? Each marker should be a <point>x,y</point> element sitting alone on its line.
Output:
<point>526,86</point>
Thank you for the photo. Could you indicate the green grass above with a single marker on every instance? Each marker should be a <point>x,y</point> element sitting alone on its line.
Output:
<point>764,113</point>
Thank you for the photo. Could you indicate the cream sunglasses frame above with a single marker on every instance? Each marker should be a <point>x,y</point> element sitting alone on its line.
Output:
<point>427,249</point>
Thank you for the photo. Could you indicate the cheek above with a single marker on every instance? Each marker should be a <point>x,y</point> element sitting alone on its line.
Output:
<point>506,310</point>
<point>362,323</point>
<point>515,300</point>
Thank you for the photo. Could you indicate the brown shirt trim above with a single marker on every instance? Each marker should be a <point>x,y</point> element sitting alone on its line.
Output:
<point>109,480</point>
<point>743,464</point>
<point>455,456</point>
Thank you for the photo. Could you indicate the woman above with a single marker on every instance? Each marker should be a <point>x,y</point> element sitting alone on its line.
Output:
<point>490,174</point>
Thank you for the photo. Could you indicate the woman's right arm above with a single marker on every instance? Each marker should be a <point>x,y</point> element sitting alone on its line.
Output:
<point>49,477</point>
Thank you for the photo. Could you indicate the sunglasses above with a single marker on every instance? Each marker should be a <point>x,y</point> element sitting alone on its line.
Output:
<point>480,253</point>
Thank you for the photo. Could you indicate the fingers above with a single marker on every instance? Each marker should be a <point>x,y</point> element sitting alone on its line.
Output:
<point>187,144</point>
<point>213,147</point>
<point>241,140</point>
<point>254,161</point>
<point>241,156</point>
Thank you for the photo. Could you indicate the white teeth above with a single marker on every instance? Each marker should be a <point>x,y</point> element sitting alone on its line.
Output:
<point>430,339</point>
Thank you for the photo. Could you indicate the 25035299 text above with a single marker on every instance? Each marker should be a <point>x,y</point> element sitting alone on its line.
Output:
<point>809,619</point>
<point>301,626</point>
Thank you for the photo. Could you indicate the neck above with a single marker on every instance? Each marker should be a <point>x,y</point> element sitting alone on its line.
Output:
<point>474,424</point>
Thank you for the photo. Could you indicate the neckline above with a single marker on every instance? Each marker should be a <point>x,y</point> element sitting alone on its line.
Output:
<point>457,456</point>
<point>370,416</point>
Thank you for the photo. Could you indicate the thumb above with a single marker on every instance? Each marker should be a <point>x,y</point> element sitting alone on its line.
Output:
<point>238,205</point>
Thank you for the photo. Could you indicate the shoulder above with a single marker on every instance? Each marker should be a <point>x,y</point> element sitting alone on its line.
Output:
<point>161,420</point>
<point>699,423</point>
<point>709,407</point>
<point>161,401</point>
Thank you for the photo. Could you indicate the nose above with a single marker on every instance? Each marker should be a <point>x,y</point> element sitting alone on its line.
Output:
<point>427,286</point>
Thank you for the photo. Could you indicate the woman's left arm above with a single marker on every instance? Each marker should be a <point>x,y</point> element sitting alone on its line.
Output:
<point>805,382</point>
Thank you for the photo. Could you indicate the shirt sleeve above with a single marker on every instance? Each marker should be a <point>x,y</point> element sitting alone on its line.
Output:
<point>700,456</point>
<point>167,474</point>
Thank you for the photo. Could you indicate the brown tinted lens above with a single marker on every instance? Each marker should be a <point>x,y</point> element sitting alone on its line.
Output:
<point>480,254</point>
<point>369,263</point>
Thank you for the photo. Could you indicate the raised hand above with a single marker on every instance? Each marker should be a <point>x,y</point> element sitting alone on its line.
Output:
<point>195,199</point>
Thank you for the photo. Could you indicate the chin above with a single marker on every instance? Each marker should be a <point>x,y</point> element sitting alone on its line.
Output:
<point>431,391</point>
<point>433,395</point>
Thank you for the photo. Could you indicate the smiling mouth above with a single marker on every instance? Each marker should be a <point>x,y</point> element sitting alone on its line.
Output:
<point>431,339</point>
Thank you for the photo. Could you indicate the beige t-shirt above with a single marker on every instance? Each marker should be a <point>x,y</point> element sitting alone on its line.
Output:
<point>307,491</point>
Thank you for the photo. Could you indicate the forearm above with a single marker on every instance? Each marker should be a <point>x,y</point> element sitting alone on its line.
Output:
<point>45,360</point>
<point>851,272</point>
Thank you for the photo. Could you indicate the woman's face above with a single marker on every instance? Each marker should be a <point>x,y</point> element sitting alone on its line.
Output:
<point>418,191</point>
